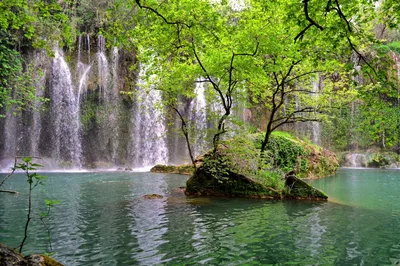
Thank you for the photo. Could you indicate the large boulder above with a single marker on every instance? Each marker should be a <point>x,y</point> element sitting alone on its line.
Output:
<point>237,170</point>
<point>201,183</point>
<point>298,189</point>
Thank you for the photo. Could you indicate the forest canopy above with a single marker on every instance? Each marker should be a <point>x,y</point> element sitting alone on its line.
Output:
<point>336,57</point>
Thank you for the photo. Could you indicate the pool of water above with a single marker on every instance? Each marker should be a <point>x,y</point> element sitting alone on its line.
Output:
<point>103,219</point>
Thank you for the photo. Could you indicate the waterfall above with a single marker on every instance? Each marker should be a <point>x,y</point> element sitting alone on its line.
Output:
<point>79,47</point>
<point>83,70</point>
<point>355,160</point>
<point>103,70</point>
<point>316,130</point>
<point>148,132</point>
<point>83,75</point>
<point>198,118</point>
<point>88,47</point>
<point>40,86</point>
<point>113,116</point>
<point>64,111</point>
<point>10,127</point>
<point>119,130</point>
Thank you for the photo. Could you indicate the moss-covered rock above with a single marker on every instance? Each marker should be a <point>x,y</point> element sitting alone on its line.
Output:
<point>237,169</point>
<point>298,189</point>
<point>306,159</point>
<point>9,257</point>
<point>185,169</point>
<point>374,159</point>
<point>234,185</point>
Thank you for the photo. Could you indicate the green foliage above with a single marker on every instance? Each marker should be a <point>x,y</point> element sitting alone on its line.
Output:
<point>285,153</point>
<point>379,160</point>
<point>217,166</point>
<point>386,48</point>
<point>26,25</point>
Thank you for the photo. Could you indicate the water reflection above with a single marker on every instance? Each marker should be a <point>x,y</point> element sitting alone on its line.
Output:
<point>148,219</point>
<point>104,220</point>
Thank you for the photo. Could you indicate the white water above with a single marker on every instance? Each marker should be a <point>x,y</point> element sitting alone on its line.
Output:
<point>355,160</point>
<point>113,117</point>
<point>103,70</point>
<point>198,119</point>
<point>40,84</point>
<point>119,131</point>
<point>148,132</point>
<point>316,129</point>
<point>65,140</point>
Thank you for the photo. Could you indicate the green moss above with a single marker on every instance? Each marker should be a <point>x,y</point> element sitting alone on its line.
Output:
<point>297,188</point>
<point>50,262</point>
<point>185,169</point>
<point>201,183</point>
<point>378,160</point>
<point>238,170</point>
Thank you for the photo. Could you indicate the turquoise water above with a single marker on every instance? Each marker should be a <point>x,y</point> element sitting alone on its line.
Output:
<point>103,219</point>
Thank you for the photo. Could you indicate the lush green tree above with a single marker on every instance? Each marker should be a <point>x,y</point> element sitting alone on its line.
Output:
<point>25,25</point>
<point>264,50</point>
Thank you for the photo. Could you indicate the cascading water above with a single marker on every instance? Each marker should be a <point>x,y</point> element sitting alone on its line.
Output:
<point>10,136</point>
<point>198,118</point>
<point>358,79</point>
<point>355,160</point>
<point>148,131</point>
<point>83,70</point>
<point>64,110</point>
<point>40,86</point>
<point>87,123</point>
<point>316,129</point>
<point>113,117</point>
<point>103,70</point>
<point>108,104</point>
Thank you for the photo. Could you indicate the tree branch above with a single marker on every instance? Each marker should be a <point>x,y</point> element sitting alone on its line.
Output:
<point>360,55</point>
<point>161,16</point>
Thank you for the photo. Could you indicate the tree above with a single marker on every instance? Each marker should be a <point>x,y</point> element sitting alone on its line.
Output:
<point>268,51</point>
<point>25,25</point>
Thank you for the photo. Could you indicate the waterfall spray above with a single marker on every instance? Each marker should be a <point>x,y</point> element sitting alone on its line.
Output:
<point>66,142</point>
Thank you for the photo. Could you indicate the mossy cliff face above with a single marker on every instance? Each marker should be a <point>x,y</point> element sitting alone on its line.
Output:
<point>237,170</point>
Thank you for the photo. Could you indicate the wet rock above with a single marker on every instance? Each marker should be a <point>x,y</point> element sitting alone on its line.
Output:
<point>152,196</point>
<point>236,185</point>
<point>298,189</point>
<point>185,169</point>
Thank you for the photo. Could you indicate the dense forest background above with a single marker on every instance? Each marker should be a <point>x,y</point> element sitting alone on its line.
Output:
<point>330,66</point>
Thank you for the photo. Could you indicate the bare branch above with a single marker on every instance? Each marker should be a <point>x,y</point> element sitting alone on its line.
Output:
<point>186,134</point>
<point>361,56</point>
<point>309,19</point>
<point>304,74</point>
<point>342,16</point>
<point>300,35</point>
